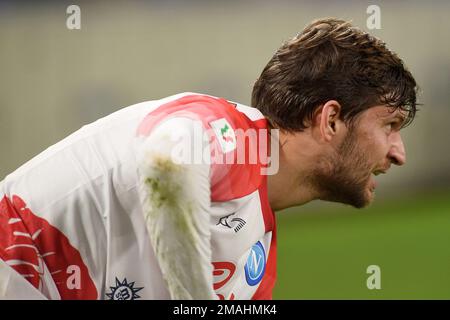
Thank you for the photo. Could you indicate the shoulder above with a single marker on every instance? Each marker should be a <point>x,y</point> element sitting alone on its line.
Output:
<point>233,130</point>
<point>209,110</point>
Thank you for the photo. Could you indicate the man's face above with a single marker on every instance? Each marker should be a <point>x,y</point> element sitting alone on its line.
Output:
<point>369,148</point>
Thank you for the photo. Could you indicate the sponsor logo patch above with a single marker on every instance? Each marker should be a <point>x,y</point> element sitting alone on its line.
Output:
<point>124,291</point>
<point>223,272</point>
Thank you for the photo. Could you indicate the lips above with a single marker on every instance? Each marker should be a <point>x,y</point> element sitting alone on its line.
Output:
<point>381,170</point>
<point>372,184</point>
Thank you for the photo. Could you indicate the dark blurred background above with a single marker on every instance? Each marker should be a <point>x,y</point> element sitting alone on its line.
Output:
<point>54,80</point>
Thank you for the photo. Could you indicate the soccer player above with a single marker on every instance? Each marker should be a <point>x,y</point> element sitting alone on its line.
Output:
<point>175,198</point>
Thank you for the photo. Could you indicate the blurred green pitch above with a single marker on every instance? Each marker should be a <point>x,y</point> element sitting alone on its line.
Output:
<point>324,253</point>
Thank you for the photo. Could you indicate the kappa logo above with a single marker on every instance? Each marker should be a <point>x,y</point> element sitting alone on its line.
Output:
<point>124,291</point>
<point>225,134</point>
<point>256,264</point>
<point>235,223</point>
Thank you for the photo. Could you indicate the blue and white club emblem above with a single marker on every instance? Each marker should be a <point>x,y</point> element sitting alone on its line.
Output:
<point>256,264</point>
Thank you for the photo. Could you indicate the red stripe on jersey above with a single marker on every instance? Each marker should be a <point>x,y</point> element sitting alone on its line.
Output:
<point>229,180</point>
<point>26,241</point>
<point>264,291</point>
<point>268,214</point>
<point>196,107</point>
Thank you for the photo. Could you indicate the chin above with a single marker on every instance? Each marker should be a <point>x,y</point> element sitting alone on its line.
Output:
<point>361,200</point>
<point>364,200</point>
<point>358,193</point>
<point>357,200</point>
<point>360,205</point>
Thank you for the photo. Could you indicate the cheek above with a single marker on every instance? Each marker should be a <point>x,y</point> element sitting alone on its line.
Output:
<point>375,145</point>
<point>364,158</point>
<point>380,146</point>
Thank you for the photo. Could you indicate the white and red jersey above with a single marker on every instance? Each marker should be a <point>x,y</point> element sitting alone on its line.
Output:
<point>103,214</point>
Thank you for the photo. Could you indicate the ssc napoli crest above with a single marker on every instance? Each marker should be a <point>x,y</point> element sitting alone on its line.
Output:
<point>256,264</point>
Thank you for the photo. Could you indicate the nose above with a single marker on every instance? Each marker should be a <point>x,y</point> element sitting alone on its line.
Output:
<point>397,153</point>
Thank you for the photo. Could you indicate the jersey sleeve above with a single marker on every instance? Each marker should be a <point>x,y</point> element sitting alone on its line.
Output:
<point>176,200</point>
<point>37,259</point>
<point>15,287</point>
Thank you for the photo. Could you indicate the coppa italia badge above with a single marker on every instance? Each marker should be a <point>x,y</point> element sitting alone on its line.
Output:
<point>32,247</point>
<point>225,134</point>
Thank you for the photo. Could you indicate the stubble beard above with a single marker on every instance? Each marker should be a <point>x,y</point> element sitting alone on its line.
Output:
<point>344,176</point>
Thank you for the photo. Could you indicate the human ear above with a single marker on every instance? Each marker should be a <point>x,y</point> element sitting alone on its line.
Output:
<point>328,121</point>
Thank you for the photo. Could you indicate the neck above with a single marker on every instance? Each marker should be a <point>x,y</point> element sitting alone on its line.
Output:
<point>288,188</point>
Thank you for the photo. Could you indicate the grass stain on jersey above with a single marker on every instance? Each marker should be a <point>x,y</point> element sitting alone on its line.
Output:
<point>169,217</point>
<point>166,189</point>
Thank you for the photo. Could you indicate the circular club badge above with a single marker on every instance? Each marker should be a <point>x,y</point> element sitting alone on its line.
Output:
<point>256,264</point>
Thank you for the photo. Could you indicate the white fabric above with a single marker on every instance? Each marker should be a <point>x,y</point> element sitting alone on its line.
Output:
<point>92,187</point>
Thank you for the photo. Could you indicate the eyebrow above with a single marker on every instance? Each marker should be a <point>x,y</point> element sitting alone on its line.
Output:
<point>402,118</point>
<point>397,115</point>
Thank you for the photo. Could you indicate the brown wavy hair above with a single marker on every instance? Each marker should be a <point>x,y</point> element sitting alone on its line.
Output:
<point>332,60</point>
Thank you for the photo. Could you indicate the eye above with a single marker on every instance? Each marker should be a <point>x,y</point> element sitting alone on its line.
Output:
<point>392,125</point>
<point>389,126</point>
